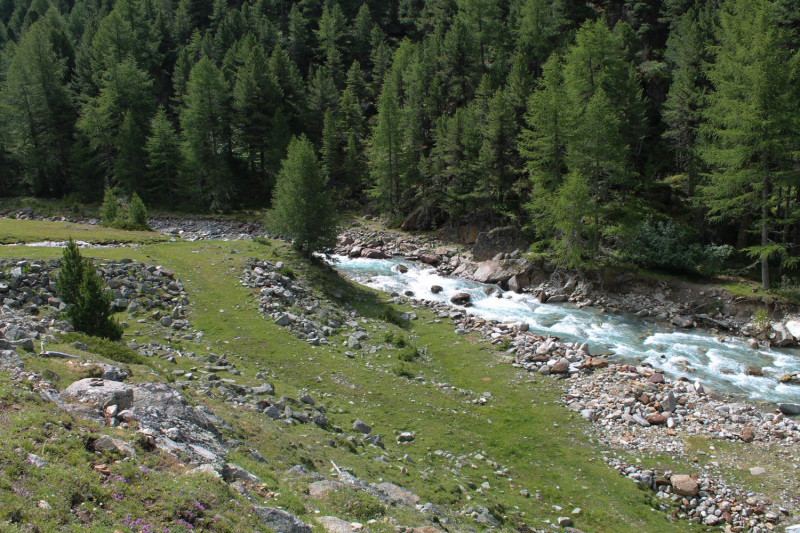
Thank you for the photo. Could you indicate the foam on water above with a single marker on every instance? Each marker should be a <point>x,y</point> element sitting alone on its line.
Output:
<point>694,354</point>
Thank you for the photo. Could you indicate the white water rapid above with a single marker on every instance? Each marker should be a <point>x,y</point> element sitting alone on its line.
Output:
<point>694,354</point>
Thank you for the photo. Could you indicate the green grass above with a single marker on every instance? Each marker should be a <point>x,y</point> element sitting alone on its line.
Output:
<point>523,427</point>
<point>27,231</point>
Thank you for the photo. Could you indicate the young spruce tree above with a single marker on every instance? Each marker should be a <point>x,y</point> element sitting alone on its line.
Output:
<point>302,207</point>
<point>81,288</point>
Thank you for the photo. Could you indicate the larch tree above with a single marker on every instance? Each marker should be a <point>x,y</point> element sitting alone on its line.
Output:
<point>302,206</point>
<point>751,120</point>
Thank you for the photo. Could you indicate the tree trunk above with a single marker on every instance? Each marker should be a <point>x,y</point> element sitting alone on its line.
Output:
<point>764,232</point>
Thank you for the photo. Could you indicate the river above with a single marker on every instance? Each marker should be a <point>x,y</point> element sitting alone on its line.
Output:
<point>692,353</point>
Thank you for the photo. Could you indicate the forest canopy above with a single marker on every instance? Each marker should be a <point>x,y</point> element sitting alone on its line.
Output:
<point>582,122</point>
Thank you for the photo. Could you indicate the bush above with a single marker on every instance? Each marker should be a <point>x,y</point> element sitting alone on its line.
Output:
<point>137,213</point>
<point>286,271</point>
<point>408,354</point>
<point>109,349</point>
<point>403,369</point>
<point>110,210</point>
<point>668,247</point>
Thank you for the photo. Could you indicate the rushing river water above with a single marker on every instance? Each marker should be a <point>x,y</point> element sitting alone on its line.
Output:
<point>692,353</point>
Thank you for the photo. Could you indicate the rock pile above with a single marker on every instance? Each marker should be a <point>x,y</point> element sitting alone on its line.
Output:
<point>195,228</point>
<point>704,499</point>
<point>292,303</point>
<point>639,408</point>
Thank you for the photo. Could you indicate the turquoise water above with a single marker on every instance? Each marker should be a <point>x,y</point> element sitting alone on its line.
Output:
<point>695,354</point>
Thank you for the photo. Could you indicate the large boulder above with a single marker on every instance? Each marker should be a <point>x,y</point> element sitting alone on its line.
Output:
<point>499,240</point>
<point>494,271</point>
<point>397,495</point>
<point>372,253</point>
<point>160,411</point>
<point>99,393</point>
<point>460,298</point>
<point>518,282</point>
<point>9,360</point>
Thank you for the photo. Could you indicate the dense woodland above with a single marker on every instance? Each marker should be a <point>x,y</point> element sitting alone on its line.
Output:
<point>586,123</point>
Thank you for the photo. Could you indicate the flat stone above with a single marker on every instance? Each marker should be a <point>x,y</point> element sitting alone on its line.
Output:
<point>757,471</point>
<point>397,495</point>
<point>331,524</point>
<point>320,489</point>
<point>684,485</point>
<point>110,444</point>
<point>790,409</point>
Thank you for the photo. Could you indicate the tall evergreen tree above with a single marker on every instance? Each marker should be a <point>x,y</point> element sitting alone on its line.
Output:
<point>207,174</point>
<point>751,119</point>
<point>163,158</point>
<point>302,207</point>
<point>386,152</point>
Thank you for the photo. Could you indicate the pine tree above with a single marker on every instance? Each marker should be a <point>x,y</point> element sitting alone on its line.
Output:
<point>387,150</point>
<point>137,212</point>
<point>110,209</point>
<point>205,148</point>
<point>302,207</point>
<point>70,276</point>
<point>82,289</point>
<point>686,99</point>
<point>544,145</point>
<point>92,313</point>
<point>163,158</point>
<point>751,119</point>
<point>261,124</point>
<point>39,113</point>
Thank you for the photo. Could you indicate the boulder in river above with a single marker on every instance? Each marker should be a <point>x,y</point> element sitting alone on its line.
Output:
<point>494,271</point>
<point>460,298</point>
<point>790,409</point>
<point>436,289</point>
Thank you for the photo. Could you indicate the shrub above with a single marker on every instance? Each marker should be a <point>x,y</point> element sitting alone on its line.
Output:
<point>137,213</point>
<point>761,319</point>
<point>668,247</point>
<point>403,369</point>
<point>110,210</point>
<point>109,349</point>
<point>408,353</point>
<point>286,271</point>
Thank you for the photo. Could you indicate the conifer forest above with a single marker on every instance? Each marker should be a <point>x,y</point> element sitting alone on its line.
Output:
<point>667,131</point>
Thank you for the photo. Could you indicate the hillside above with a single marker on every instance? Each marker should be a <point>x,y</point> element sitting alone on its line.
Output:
<point>219,417</point>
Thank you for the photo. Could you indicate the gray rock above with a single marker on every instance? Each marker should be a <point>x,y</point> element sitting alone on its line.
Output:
<point>306,398</point>
<point>498,240</point>
<point>331,524</point>
<point>272,412</point>
<point>283,320</point>
<point>397,495</point>
<point>265,389</point>
<point>353,343</point>
<point>320,489</point>
<point>232,472</point>
<point>436,289</point>
<point>362,427</point>
<point>10,360</point>
<point>460,298</point>
<point>99,393</point>
<point>36,461</point>
<point>790,409</point>
<point>110,444</point>
<point>166,321</point>
<point>279,520</point>
<point>682,322</point>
